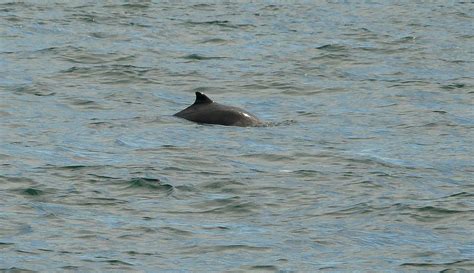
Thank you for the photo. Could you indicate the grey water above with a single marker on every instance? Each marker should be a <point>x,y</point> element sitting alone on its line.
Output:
<point>366,164</point>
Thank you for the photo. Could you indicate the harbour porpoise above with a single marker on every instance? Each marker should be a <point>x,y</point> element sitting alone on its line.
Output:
<point>205,110</point>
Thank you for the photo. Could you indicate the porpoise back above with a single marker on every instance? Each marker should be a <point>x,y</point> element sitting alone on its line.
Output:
<point>205,110</point>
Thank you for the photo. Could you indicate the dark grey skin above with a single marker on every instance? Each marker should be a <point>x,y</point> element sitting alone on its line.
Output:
<point>204,110</point>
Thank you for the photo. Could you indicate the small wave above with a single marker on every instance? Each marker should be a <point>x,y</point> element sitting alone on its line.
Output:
<point>219,185</point>
<point>70,268</point>
<point>175,231</point>
<point>428,265</point>
<point>107,35</point>
<point>371,159</point>
<point>453,86</point>
<point>254,86</point>
<point>102,201</point>
<point>198,6</point>
<point>110,74</point>
<point>37,89</point>
<point>83,55</point>
<point>437,210</point>
<point>223,206</point>
<point>129,69</point>
<point>214,22</point>
<point>149,183</point>
<point>83,102</point>
<point>214,41</point>
<point>100,125</point>
<point>200,57</point>
<point>332,47</point>
<point>220,23</point>
<point>73,167</point>
<point>271,7</point>
<point>112,261</point>
<point>96,58</point>
<point>239,208</point>
<point>356,209</point>
<point>402,40</point>
<point>17,269</point>
<point>226,248</point>
<point>139,6</point>
<point>262,268</point>
<point>461,194</point>
<point>269,157</point>
<point>32,192</point>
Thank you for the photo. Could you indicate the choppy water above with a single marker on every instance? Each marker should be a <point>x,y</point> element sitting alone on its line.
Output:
<point>368,165</point>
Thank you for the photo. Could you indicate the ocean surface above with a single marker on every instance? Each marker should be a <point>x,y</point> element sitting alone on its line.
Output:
<point>366,162</point>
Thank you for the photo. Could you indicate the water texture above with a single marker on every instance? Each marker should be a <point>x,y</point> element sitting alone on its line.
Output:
<point>367,164</point>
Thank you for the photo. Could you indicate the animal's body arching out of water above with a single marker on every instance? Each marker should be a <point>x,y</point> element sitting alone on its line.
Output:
<point>205,110</point>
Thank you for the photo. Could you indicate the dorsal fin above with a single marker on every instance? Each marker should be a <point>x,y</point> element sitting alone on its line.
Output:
<point>201,98</point>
